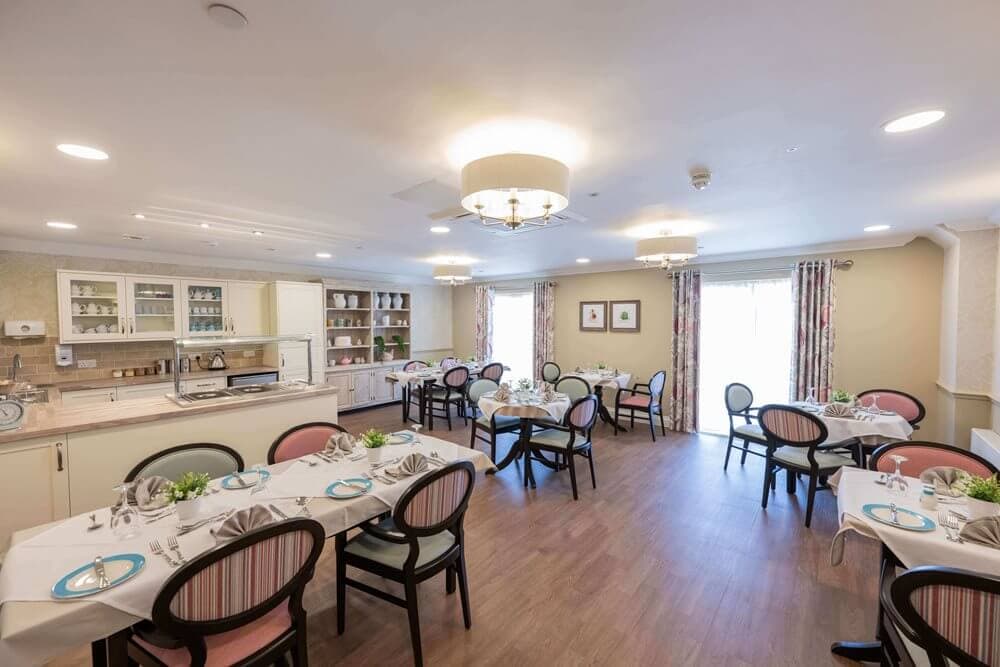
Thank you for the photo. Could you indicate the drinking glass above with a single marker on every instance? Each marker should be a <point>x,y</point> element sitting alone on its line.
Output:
<point>416,434</point>
<point>811,398</point>
<point>261,484</point>
<point>896,484</point>
<point>125,522</point>
<point>873,409</point>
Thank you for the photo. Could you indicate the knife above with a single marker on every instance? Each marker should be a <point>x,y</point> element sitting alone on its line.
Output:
<point>893,514</point>
<point>102,577</point>
<point>277,511</point>
<point>242,482</point>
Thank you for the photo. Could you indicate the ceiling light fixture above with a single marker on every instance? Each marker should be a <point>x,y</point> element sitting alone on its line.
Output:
<point>440,229</point>
<point>913,121</point>
<point>256,233</point>
<point>515,189</point>
<point>84,152</point>
<point>877,228</point>
<point>583,260</point>
<point>791,149</point>
<point>453,274</point>
<point>133,237</point>
<point>55,224</point>
<point>324,255</point>
<point>138,216</point>
<point>204,225</point>
<point>668,252</point>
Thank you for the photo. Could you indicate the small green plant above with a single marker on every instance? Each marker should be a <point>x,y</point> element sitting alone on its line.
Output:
<point>373,439</point>
<point>983,488</point>
<point>841,396</point>
<point>601,366</point>
<point>379,347</point>
<point>471,357</point>
<point>188,487</point>
<point>400,345</point>
<point>524,384</point>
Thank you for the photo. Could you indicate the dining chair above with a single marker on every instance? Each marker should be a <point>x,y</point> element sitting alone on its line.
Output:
<point>922,455</point>
<point>906,406</point>
<point>739,405</point>
<point>794,443</point>
<point>302,440</point>
<point>208,457</point>
<point>571,438</point>
<point>648,402</point>
<point>942,616</point>
<point>450,392</point>
<point>423,537</point>
<point>411,392</point>
<point>573,386</point>
<point>551,372</point>
<point>239,603</point>
<point>492,425</point>
<point>493,371</point>
<point>448,362</point>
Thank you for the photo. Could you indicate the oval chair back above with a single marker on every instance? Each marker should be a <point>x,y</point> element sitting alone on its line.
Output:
<point>260,573</point>
<point>738,398</point>
<point>551,372</point>
<point>784,425</point>
<point>492,371</point>
<point>302,440</point>
<point>573,386</point>
<point>480,387</point>
<point>448,362</point>
<point>953,613</point>
<point>435,502</point>
<point>456,378</point>
<point>923,455</point>
<point>208,457</point>
<point>582,415</point>
<point>656,384</point>
<point>906,406</point>
<point>415,365</point>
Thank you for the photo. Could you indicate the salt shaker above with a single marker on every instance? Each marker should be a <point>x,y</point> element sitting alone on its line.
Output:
<point>928,499</point>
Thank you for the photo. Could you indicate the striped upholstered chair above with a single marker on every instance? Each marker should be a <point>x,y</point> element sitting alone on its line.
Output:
<point>493,371</point>
<point>302,440</point>
<point>923,455</point>
<point>423,537</point>
<point>795,442</point>
<point>451,391</point>
<point>942,616</point>
<point>240,603</point>
<point>571,438</point>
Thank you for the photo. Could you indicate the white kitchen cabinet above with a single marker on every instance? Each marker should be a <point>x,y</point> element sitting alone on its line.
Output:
<point>34,485</point>
<point>153,308</point>
<point>360,387</point>
<point>92,307</point>
<point>384,391</point>
<point>78,397</point>
<point>203,384</point>
<point>249,309</point>
<point>342,381</point>
<point>296,309</point>
<point>206,307</point>
<point>132,392</point>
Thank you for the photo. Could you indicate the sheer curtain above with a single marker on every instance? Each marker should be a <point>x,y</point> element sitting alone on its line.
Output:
<point>747,329</point>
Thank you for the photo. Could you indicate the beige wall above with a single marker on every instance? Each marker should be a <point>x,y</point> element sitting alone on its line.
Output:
<point>887,320</point>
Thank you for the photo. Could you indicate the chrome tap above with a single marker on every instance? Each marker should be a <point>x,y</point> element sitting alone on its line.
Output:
<point>16,365</point>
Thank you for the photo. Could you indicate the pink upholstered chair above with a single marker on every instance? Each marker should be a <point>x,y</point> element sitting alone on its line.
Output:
<point>923,455</point>
<point>794,443</point>
<point>302,440</point>
<point>648,402</point>
<point>240,603</point>
<point>906,406</point>
<point>423,537</point>
<point>571,438</point>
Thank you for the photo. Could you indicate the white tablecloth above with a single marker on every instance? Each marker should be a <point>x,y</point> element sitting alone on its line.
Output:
<point>555,409</point>
<point>33,627</point>
<point>856,488</point>
<point>611,381</point>
<point>423,375</point>
<point>883,426</point>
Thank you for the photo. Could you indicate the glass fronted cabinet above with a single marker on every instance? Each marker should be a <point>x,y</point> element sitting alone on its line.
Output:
<point>92,307</point>
<point>206,308</point>
<point>152,308</point>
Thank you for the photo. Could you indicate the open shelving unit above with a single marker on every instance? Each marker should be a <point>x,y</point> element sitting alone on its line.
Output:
<point>358,315</point>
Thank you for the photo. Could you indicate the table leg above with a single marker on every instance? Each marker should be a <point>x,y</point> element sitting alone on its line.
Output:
<point>603,412</point>
<point>406,401</point>
<point>516,449</point>
<point>99,653</point>
<point>869,651</point>
<point>118,649</point>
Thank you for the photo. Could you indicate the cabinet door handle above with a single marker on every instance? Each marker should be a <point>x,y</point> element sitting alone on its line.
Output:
<point>232,324</point>
<point>121,326</point>
<point>282,360</point>
<point>131,325</point>
<point>59,457</point>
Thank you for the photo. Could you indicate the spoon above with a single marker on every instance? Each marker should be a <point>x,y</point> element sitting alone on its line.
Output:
<point>94,525</point>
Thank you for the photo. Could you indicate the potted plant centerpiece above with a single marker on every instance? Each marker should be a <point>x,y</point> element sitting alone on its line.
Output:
<point>984,496</point>
<point>841,396</point>
<point>186,493</point>
<point>373,441</point>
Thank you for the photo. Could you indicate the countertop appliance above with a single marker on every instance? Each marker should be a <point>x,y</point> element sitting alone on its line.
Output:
<point>217,362</point>
<point>252,379</point>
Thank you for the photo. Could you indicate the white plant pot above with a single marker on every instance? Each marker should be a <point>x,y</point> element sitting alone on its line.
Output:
<point>189,509</point>
<point>980,509</point>
<point>352,300</point>
<point>374,454</point>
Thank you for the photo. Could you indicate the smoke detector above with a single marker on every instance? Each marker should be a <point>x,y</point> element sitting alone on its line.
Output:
<point>701,177</point>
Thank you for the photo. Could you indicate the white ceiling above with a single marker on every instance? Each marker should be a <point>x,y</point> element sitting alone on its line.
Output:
<point>305,123</point>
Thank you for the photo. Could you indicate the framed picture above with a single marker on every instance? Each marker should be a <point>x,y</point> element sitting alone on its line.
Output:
<point>593,316</point>
<point>625,316</point>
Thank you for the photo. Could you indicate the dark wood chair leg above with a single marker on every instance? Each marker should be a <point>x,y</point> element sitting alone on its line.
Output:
<point>300,654</point>
<point>632,419</point>
<point>617,413</point>
<point>571,464</point>
<point>493,446</point>
<point>812,496</point>
<point>663,428</point>
<point>774,479</point>
<point>768,471</point>
<point>790,480</point>
<point>746,449</point>
<point>340,541</point>
<point>449,580</point>
<point>729,449</point>
<point>590,459</point>
<point>652,430</point>
<point>412,613</point>
<point>447,412</point>
<point>463,590</point>
<point>472,438</point>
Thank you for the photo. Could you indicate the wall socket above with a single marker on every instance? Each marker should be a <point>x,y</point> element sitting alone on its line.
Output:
<point>86,363</point>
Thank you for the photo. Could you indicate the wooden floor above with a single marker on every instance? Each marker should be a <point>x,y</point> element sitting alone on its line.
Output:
<point>670,561</point>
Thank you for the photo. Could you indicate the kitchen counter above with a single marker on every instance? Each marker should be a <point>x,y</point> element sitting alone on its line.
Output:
<point>55,419</point>
<point>101,383</point>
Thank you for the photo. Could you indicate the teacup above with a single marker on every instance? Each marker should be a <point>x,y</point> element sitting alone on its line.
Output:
<point>88,290</point>
<point>100,309</point>
<point>74,290</point>
<point>92,309</point>
<point>79,308</point>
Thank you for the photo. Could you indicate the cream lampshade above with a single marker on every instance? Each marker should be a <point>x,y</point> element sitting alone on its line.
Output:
<point>452,273</point>
<point>666,250</point>
<point>514,189</point>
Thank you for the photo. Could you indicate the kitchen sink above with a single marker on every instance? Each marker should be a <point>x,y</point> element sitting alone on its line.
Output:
<point>27,393</point>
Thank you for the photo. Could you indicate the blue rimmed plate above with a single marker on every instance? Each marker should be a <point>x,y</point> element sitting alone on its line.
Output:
<point>400,438</point>
<point>231,483</point>
<point>82,581</point>
<point>340,489</point>
<point>906,519</point>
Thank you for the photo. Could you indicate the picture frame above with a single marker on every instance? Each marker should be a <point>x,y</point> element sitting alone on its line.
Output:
<point>593,316</point>
<point>625,315</point>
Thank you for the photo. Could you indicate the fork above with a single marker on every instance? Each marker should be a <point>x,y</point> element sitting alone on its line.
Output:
<point>175,546</point>
<point>953,524</point>
<point>155,547</point>
<point>945,523</point>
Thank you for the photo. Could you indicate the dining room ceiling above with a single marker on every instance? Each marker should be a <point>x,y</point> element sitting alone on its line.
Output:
<point>307,124</point>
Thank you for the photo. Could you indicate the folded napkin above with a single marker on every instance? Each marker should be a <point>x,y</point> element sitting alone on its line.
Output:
<point>947,480</point>
<point>841,410</point>
<point>985,531</point>
<point>503,393</point>
<point>548,392</point>
<point>410,465</point>
<point>340,442</point>
<point>147,493</point>
<point>243,522</point>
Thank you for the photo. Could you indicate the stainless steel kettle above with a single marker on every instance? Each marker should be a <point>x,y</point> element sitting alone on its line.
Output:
<point>217,362</point>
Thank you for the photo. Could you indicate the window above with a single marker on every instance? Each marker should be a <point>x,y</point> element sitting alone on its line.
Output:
<point>746,336</point>
<point>513,332</point>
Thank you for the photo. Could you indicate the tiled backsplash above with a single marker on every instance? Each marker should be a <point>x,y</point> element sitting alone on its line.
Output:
<point>38,357</point>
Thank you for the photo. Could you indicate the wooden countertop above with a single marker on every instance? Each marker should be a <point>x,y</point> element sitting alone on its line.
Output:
<point>77,385</point>
<point>55,419</point>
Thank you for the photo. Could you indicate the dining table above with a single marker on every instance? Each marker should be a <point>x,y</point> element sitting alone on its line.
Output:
<point>532,409</point>
<point>855,489</point>
<point>426,378</point>
<point>601,380</point>
<point>860,424</point>
<point>34,627</point>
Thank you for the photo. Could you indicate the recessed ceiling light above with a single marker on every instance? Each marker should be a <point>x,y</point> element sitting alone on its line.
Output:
<point>594,194</point>
<point>324,255</point>
<point>440,229</point>
<point>55,224</point>
<point>271,249</point>
<point>876,228</point>
<point>133,237</point>
<point>138,216</point>
<point>583,260</point>
<point>913,121</point>
<point>213,244</point>
<point>204,225</point>
<point>256,233</point>
<point>85,152</point>
<point>791,149</point>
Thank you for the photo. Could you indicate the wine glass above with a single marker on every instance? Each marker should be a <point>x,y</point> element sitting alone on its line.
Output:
<point>261,479</point>
<point>416,434</point>
<point>811,398</point>
<point>125,522</point>
<point>896,484</point>
<point>873,409</point>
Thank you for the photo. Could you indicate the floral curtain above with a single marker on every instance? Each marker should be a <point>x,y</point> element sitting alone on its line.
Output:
<point>484,322</point>
<point>545,324</point>
<point>812,356</point>
<point>683,404</point>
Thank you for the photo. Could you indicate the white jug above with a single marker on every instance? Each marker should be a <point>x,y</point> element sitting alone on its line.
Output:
<point>339,301</point>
